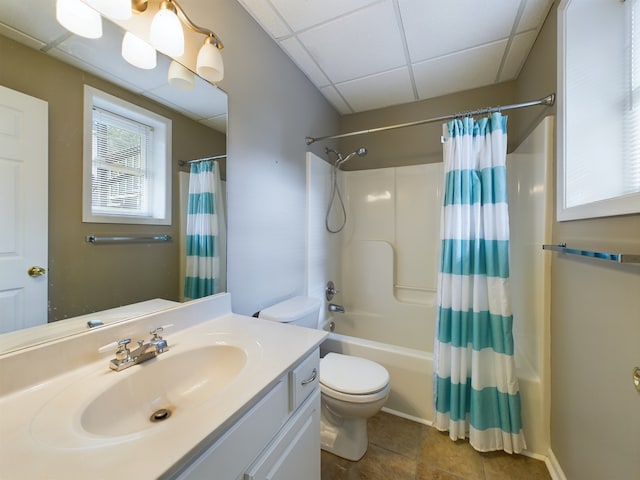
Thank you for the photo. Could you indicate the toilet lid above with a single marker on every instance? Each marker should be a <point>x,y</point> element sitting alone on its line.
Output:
<point>352,375</point>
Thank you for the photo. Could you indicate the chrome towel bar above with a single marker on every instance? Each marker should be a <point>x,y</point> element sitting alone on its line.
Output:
<point>157,238</point>
<point>612,257</point>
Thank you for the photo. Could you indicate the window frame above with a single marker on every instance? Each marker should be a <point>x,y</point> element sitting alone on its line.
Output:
<point>621,204</point>
<point>160,158</point>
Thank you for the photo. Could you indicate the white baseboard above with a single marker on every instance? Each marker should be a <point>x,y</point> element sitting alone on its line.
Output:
<point>408,417</point>
<point>555,470</point>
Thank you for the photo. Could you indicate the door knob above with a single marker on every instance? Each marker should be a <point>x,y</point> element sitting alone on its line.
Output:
<point>636,378</point>
<point>36,271</point>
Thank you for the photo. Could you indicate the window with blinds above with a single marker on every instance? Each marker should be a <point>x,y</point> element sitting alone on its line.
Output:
<point>598,108</point>
<point>127,171</point>
<point>632,120</point>
<point>119,175</point>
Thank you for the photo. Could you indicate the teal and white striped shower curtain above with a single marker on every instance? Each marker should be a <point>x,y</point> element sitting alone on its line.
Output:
<point>476,391</point>
<point>205,219</point>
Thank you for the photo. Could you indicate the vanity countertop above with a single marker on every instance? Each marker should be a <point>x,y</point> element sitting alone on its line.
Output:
<point>41,424</point>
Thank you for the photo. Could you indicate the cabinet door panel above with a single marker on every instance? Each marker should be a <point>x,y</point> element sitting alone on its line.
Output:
<point>295,452</point>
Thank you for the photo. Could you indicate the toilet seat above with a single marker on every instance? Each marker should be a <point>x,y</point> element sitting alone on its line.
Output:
<point>352,378</point>
<point>351,398</point>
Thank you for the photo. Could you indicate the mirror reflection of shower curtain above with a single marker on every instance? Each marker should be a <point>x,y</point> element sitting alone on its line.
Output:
<point>206,232</point>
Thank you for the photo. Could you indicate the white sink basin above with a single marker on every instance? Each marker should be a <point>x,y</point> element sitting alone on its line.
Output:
<point>119,406</point>
<point>161,388</point>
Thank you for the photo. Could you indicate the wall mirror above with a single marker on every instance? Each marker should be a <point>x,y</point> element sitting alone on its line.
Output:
<point>85,278</point>
<point>598,109</point>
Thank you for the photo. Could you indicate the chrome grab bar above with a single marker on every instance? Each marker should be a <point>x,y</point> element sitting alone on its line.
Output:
<point>612,257</point>
<point>157,238</point>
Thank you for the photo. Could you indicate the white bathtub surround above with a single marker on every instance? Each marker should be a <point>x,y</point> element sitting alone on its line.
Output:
<point>403,315</point>
<point>71,373</point>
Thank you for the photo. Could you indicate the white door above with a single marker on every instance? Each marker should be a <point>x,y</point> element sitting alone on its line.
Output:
<point>23,210</point>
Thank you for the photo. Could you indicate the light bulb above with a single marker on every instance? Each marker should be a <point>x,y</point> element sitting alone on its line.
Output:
<point>79,18</point>
<point>180,77</point>
<point>138,52</point>
<point>209,64</point>
<point>166,33</point>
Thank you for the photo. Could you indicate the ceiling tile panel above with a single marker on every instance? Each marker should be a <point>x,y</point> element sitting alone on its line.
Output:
<point>267,17</point>
<point>518,52</point>
<point>434,28</point>
<point>32,17</point>
<point>357,45</point>
<point>302,14</point>
<point>377,91</point>
<point>304,61</point>
<point>468,69</point>
<point>336,100</point>
<point>533,14</point>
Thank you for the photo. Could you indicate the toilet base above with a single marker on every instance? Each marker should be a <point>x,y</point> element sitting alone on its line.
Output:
<point>344,437</point>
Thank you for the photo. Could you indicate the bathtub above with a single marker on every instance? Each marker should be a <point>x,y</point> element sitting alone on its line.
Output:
<point>411,393</point>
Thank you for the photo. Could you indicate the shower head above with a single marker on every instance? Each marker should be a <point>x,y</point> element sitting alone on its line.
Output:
<point>361,152</point>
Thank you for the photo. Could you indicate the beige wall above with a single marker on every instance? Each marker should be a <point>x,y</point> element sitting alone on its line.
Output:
<point>272,108</point>
<point>595,327</point>
<point>82,277</point>
<point>418,144</point>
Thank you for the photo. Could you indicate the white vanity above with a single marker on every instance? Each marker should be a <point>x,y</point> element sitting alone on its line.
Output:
<point>234,397</point>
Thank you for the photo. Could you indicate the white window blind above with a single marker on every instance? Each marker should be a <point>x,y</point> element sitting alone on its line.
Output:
<point>120,153</point>
<point>598,108</point>
<point>632,120</point>
<point>127,162</point>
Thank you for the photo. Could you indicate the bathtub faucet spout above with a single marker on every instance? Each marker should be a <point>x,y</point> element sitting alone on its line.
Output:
<point>336,308</point>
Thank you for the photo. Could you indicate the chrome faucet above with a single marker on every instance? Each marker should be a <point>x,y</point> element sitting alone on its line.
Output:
<point>126,358</point>
<point>336,308</point>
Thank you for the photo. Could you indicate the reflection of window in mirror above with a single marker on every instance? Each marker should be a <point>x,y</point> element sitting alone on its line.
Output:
<point>598,108</point>
<point>127,172</point>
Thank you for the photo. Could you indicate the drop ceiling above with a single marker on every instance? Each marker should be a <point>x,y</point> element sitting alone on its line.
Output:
<point>369,54</point>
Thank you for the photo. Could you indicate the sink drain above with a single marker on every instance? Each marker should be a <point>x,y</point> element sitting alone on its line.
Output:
<point>160,415</point>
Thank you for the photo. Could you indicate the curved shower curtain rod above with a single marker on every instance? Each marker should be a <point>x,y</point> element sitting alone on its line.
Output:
<point>548,101</point>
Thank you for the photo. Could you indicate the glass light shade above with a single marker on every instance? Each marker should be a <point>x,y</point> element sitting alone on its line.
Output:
<point>180,77</point>
<point>117,9</point>
<point>79,18</point>
<point>209,63</point>
<point>138,52</point>
<point>166,33</point>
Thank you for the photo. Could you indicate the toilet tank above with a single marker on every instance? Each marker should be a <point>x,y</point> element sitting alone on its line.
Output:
<point>301,311</point>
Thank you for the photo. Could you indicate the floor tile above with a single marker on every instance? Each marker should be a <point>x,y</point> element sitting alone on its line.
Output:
<point>438,451</point>
<point>400,449</point>
<point>379,463</point>
<point>503,466</point>
<point>395,433</point>
<point>333,467</point>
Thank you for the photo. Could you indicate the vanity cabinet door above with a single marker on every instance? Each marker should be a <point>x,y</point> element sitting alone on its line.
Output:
<point>295,452</point>
<point>228,457</point>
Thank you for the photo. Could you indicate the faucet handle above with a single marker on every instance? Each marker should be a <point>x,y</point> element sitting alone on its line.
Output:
<point>330,290</point>
<point>121,344</point>
<point>156,332</point>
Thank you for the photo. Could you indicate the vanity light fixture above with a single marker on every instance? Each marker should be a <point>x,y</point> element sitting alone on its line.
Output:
<point>138,52</point>
<point>79,18</point>
<point>166,33</point>
<point>82,17</point>
<point>209,63</point>
<point>170,39</point>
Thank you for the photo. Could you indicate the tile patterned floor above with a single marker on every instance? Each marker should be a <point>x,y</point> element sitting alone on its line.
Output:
<point>400,449</point>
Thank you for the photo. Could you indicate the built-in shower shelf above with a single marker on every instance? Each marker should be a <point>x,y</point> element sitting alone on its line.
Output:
<point>627,258</point>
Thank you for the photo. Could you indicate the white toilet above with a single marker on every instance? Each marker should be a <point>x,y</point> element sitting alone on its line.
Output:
<point>353,389</point>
